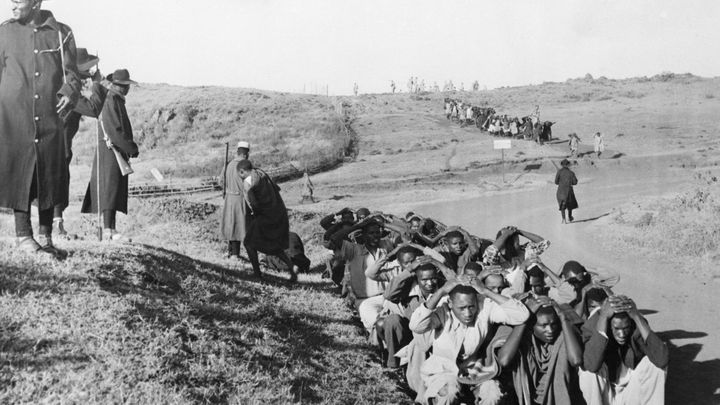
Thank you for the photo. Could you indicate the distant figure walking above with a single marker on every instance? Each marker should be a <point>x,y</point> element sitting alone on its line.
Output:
<point>392,86</point>
<point>574,143</point>
<point>232,225</point>
<point>355,88</point>
<point>565,180</point>
<point>307,189</point>
<point>599,144</point>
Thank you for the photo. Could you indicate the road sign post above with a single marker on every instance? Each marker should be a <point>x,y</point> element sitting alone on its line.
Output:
<point>502,144</point>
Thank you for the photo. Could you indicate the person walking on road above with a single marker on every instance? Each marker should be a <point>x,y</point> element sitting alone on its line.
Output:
<point>599,144</point>
<point>565,180</point>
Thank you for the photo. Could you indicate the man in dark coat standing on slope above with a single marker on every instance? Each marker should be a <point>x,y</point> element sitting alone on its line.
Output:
<point>114,131</point>
<point>38,85</point>
<point>86,106</point>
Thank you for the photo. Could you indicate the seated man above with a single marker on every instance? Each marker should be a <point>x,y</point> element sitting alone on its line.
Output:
<point>507,250</point>
<point>408,290</point>
<point>581,280</point>
<point>592,300</point>
<point>459,328</point>
<point>544,354</point>
<point>624,360</point>
<point>333,223</point>
<point>537,278</point>
<point>364,293</point>
<point>458,249</point>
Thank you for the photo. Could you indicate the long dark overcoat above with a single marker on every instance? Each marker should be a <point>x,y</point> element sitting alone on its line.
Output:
<point>113,185</point>
<point>267,219</point>
<point>86,106</point>
<point>31,84</point>
<point>565,180</point>
<point>232,225</point>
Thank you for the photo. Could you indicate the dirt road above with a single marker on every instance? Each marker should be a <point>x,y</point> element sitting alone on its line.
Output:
<point>684,310</point>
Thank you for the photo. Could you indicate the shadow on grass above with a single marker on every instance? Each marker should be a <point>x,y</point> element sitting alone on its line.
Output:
<point>690,381</point>
<point>182,294</point>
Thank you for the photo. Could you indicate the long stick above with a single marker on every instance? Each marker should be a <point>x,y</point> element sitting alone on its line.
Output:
<point>227,150</point>
<point>62,56</point>
<point>97,174</point>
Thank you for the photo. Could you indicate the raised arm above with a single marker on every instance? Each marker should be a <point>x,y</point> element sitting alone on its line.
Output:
<point>531,236</point>
<point>507,353</point>
<point>573,347</point>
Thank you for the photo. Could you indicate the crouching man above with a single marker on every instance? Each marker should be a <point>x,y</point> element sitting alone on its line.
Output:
<point>624,360</point>
<point>460,327</point>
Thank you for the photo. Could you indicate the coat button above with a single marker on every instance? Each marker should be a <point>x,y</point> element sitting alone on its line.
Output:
<point>37,74</point>
<point>37,118</point>
<point>36,51</point>
<point>37,96</point>
<point>35,30</point>
<point>37,140</point>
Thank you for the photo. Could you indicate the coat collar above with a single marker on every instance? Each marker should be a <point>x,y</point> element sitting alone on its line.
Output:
<point>43,18</point>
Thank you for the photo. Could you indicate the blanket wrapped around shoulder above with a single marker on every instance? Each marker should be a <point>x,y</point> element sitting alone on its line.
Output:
<point>267,220</point>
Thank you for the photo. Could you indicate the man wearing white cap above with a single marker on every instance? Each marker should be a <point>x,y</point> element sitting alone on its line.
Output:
<point>233,226</point>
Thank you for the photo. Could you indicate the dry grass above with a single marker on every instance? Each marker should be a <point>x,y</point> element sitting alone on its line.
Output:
<point>168,320</point>
<point>683,230</point>
<point>185,129</point>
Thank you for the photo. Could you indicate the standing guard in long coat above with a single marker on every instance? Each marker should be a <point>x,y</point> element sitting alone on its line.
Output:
<point>86,106</point>
<point>233,224</point>
<point>114,132</point>
<point>38,85</point>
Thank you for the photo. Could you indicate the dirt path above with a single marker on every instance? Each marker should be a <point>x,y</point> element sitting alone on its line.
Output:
<point>682,309</point>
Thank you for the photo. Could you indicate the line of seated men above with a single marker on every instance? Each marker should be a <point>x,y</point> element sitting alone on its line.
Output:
<point>471,320</point>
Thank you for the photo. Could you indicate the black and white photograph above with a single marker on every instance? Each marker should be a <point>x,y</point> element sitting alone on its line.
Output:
<point>359,202</point>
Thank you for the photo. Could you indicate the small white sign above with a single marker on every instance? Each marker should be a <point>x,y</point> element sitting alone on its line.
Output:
<point>502,144</point>
<point>156,173</point>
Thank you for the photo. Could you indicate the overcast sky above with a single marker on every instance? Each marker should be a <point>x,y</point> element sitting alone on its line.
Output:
<point>307,44</point>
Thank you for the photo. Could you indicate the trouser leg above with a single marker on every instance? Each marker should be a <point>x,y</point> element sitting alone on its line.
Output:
<point>45,219</point>
<point>234,247</point>
<point>23,227</point>
<point>369,309</point>
<point>254,260</point>
<point>57,212</point>
<point>395,334</point>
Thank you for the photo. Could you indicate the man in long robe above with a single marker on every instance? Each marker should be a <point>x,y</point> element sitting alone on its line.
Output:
<point>38,85</point>
<point>268,226</point>
<point>232,226</point>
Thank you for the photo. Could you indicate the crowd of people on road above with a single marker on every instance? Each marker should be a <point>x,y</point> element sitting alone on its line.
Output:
<point>47,85</point>
<point>473,320</point>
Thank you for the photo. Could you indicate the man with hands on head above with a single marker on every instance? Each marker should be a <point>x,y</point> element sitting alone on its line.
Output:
<point>417,282</point>
<point>544,354</point>
<point>333,223</point>
<point>365,294</point>
<point>624,361</point>
<point>460,327</point>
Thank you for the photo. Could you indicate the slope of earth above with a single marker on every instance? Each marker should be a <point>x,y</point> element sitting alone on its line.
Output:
<point>169,320</point>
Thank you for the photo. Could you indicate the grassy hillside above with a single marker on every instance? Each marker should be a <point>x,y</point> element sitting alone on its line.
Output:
<point>182,130</point>
<point>167,320</point>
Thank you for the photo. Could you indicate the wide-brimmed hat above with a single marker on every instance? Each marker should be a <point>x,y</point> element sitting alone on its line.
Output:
<point>121,76</point>
<point>85,61</point>
<point>565,162</point>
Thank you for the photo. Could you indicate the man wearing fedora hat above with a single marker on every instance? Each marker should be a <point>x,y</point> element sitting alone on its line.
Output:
<point>232,225</point>
<point>86,106</point>
<point>565,180</point>
<point>114,133</point>
<point>39,84</point>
